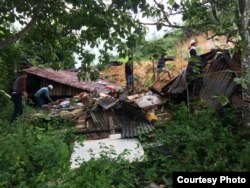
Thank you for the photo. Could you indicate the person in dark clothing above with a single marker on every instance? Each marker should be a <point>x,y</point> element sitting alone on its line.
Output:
<point>194,71</point>
<point>129,73</point>
<point>161,64</point>
<point>18,92</point>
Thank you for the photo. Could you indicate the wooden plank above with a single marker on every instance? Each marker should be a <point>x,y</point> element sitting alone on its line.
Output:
<point>111,125</point>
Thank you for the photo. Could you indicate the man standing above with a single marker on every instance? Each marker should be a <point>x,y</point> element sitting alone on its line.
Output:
<point>194,71</point>
<point>129,73</point>
<point>43,94</point>
<point>161,64</point>
<point>18,92</point>
<point>192,48</point>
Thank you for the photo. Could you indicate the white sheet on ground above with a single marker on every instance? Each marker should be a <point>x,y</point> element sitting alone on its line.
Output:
<point>109,147</point>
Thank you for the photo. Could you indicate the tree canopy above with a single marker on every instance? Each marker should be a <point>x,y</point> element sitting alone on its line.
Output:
<point>51,30</point>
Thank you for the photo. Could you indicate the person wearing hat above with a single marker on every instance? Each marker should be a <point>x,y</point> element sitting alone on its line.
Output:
<point>42,95</point>
<point>192,48</point>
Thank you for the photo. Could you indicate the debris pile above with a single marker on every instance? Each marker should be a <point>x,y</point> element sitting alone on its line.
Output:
<point>98,115</point>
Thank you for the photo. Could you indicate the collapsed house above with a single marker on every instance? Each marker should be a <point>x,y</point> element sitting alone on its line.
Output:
<point>102,115</point>
<point>66,83</point>
<point>98,113</point>
<point>218,80</point>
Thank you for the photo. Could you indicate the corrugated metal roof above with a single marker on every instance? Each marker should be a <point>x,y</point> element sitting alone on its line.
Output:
<point>108,103</point>
<point>218,80</point>
<point>126,125</point>
<point>127,120</point>
<point>70,79</point>
<point>177,85</point>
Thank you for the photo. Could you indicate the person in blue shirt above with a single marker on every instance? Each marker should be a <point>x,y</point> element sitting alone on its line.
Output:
<point>43,94</point>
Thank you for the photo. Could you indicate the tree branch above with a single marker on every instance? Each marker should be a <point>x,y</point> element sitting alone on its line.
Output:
<point>15,37</point>
<point>163,24</point>
<point>163,12</point>
<point>175,26</point>
<point>242,4</point>
<point>214,11</point>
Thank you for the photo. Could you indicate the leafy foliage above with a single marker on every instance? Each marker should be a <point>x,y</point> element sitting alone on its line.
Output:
<point>10,59</point>
<point>194,143</point>
<point>103,172</point>
<point>37,154</point>
<point>6,107</point>
<point>57,29</point>
<point>50,33</point>
<point>31,157</point>
<point>154,48</point>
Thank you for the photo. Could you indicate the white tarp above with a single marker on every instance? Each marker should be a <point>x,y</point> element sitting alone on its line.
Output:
<point>110,147</point>
<point>150,100</point>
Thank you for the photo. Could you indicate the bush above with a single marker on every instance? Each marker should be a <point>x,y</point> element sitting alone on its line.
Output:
<point>6,109</point>
<point>31,157</point>
<point>37,154</point>
<point>103,173</point>
<point>197,142</point>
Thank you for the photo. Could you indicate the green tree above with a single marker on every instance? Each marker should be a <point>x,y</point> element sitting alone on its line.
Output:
<point>78,22</point>
<point>51,31</point>
<point>8,65</point>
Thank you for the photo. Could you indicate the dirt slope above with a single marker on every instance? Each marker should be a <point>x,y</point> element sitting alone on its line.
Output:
<point>143,71</point>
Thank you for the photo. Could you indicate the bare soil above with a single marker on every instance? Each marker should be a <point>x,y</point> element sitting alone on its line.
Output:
<point>143,71</point>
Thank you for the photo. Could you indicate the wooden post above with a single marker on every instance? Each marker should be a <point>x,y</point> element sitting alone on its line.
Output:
<point>111,125</point>
<point>133,85</point>
<point>154,77</point>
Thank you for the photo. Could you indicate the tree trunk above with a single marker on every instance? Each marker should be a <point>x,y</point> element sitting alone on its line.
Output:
<point>133,82</point>
<point>243,24</point>
<point>154,77</point>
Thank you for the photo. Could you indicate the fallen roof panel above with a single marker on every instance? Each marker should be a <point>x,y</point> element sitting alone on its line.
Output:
<point>71,79</point>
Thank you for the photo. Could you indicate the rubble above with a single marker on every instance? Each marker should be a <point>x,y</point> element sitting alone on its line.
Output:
<point>99,115</point>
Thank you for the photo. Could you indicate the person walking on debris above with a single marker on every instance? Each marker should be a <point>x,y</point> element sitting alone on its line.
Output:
<point>161,64</point>
<point>42,95</point>
<point>18,92</point>
<point>129,73</point>
<point>194,71</point>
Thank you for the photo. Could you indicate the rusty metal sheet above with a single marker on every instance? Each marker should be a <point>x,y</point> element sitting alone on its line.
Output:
<point>70,79</point>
